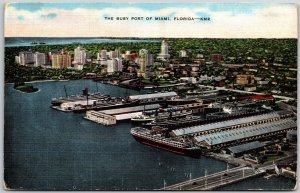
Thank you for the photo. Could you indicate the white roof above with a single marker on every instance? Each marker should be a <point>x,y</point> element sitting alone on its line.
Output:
<point>245,132</point>
<point>130,109</point>
<point>199,128</point>
<point>154,95</point>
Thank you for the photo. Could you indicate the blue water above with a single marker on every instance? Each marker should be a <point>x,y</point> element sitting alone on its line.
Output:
<point>47,149</point>
<point>25,41</point>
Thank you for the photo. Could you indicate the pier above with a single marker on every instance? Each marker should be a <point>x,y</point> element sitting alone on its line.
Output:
<point>111,116</point>
<point>219,179</point>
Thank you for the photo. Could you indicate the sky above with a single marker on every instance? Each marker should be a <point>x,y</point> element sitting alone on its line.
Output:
<point>88,20</point>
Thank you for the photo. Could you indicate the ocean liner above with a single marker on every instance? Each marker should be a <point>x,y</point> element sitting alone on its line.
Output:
<point>156,137</point>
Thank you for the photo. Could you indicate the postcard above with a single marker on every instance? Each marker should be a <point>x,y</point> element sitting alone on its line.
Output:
<point>150,96</point>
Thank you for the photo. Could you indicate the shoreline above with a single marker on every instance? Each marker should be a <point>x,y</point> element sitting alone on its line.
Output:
<point>28,92</point>
<point>48,80</point>
<point>40,81</point>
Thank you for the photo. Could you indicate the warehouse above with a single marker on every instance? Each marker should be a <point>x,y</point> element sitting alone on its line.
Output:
<point>111,116</point>
<point>231,124</point>
<point>245,134</point>
<point>156,97</point>
<point>239,150</point>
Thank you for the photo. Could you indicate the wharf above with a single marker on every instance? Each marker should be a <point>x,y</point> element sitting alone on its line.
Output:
<point>110,117</point>
<point>130,109</point>
<point>219,179</point>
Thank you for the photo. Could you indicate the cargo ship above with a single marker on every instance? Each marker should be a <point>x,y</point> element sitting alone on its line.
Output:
<point>156,137</point>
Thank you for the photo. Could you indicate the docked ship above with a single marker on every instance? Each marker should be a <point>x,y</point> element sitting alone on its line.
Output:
<point>182,101</point>
<point>72,98</point>
<point>156,137</point>
<point>208,118</point>
<point>104,105</point>
<point>168,114</point>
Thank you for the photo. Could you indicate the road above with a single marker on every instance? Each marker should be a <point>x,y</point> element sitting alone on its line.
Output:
<point>217,179</point>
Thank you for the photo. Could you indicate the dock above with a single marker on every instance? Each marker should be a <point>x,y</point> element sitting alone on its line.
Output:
<point>219,179</point>
<point>110,117</point>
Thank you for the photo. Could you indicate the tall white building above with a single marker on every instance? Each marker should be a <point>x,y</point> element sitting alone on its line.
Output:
<point>39,59</point>
<point>102,55</point>
<point>111,54</point>
<point>80,55</point>
<point>26,58</point>
<point>164,53</point>
<point>114,65</point>
<point>17,59</point>
<point>118,53</point>
<point>182,54</point>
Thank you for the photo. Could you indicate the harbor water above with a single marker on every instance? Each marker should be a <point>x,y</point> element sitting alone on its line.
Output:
<point>46,149</point>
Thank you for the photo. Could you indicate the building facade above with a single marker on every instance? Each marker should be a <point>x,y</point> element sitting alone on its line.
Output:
<point>26,58</point>
<point>164,53</point>
<point>39,59</point>
<point>80,56</point>
<point>60,61</point>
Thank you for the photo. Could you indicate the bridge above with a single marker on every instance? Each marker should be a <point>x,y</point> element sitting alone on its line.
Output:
<point>219,179</point>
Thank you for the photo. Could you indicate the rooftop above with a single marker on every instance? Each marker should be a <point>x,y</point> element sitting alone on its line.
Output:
<point>245,132</point>
<point>155,95</point>
<point>246,147</point>
<point>130,109</point>
<point>200,128</point>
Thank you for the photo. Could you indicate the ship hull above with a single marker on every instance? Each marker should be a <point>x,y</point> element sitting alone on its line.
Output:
<point>196,153</point>
<point>99,108</point>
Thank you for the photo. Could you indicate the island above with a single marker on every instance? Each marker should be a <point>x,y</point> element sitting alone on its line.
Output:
<point>28,88</point>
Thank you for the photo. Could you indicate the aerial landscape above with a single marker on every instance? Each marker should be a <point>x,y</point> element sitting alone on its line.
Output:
<point>181,113</point>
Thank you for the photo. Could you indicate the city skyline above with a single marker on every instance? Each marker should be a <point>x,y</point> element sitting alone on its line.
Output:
<point>87,20</point>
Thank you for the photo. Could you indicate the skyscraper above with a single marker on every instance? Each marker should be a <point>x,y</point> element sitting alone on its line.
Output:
<point>39,59</point>
<point>143,60</point>
<point>80,55</point>
<point>26,58</point>
<point>114,65</point>
<point>164,53</point>
<point>62,60</point>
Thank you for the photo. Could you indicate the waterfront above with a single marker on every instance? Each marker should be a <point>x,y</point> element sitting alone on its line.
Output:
<point>27,41</point>
<point>47,149</point>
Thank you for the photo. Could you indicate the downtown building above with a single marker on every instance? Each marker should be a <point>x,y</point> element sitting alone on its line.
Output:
<point>40,59</point>
<point>80,56</point>
<point>102,57</point>
<point>145,60</point>
<point>114,65</point>
<point>113,54</point>
<point>25,58</point>
<point>61,60</point>
<point>164,53</point>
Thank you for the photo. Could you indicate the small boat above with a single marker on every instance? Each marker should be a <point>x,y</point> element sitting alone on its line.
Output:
<point>164,115</point>
<point>142,118</point>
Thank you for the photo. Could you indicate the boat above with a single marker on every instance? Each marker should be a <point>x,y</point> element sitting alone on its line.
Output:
<point>72,98</point>
<point>182,101</point>
<point>142,118</point>
<point>156,137</point>
<point>208,118</point>
<point>105,105</point>
<point>164,115</point>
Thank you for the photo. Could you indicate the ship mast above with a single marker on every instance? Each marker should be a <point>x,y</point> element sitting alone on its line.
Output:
<point>97,86</point>
<point>66,91</point>
<point>86,93</point>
